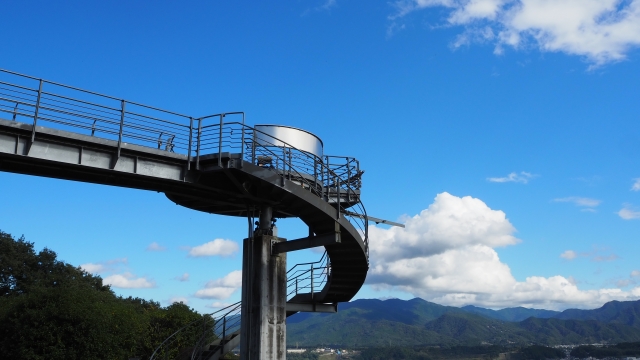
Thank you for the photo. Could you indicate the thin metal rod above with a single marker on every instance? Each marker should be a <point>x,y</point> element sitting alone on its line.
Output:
<point>220,142</point>
<point>242,142</point>
<point>339,201</point>
<point>121,127</point>
<point>348,185</point>
<point>224,332</point>
<point>198,149</point>
<point>289,163</point>
<point>35,115</point>
<point>190,143</point>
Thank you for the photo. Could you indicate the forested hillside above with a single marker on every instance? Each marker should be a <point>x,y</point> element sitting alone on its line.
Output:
<point>53,310</point>
<point>417,322</point>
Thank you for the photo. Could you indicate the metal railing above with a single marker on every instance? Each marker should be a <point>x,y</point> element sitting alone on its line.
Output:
<point>217,325</point>
<point>308,278</point>
<point>27,99</point>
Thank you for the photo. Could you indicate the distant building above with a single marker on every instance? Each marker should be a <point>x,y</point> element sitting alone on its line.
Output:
<point>296,351</point>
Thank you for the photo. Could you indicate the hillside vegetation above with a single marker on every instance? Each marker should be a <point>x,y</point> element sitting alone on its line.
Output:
<point>417,322</point>
<point>53,310</point>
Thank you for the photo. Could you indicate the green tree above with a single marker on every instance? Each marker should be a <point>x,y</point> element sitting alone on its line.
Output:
<point>53,310</point>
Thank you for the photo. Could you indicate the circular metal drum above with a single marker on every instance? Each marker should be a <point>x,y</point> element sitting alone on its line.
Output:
<point>288,137</point>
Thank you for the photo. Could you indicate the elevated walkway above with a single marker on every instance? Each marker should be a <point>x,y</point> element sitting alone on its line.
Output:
<point>206,164</point>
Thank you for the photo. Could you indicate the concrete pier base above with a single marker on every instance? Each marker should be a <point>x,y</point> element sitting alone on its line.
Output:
<point>264,297</point>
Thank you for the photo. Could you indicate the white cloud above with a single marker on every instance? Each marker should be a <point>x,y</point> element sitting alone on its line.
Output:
<point>586,203</point>
<point>523,177</point>
<point>128,281</point>
<point>179,299</point>
<point>446,255</point>
<point>450,222</point>
<point>569,255</point>
<point>184,277</point>
<point>218,247</point>
<point>154,246</point>
<point>635,273</point>
<point>218,305</point>
<point>602,31</point>
<point>221,288</point>
<point>628,213</point>
<point>105,266</point>
<point>636,185</point>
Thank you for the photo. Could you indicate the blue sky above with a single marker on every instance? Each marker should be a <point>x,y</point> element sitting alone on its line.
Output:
<point>504,132</point>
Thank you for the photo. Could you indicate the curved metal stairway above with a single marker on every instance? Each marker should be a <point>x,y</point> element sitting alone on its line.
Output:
<point>220,330</point>
<point>206,164</point>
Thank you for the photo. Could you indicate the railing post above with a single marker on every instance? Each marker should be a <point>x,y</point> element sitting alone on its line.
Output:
<point>328,266</point>
<point>284,161</point>
<point>35,115</point>
<point>242,143</point>
<point>296,286</point>
<point>338,197</point>
<point>348,180</point>
<point>315,174</point>
<point>122,102</point>
<point>328,177</point>
<point>190,140</point>
<point>198,147</point>
<point>15,111</point>
<point>290,164</point>
<point>253,148</point>
<point>312,283</point>
<point>224,332</point>
<point>220,142</point>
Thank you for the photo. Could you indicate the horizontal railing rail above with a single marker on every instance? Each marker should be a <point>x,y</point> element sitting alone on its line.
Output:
<point>308,278</point>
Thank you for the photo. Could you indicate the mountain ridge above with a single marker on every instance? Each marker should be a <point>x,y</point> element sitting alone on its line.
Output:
<point>394,322</point>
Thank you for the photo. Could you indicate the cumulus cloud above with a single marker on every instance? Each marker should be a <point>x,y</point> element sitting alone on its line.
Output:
<point>220,247</point>
<point>601,31</point>
<point>221,288</point>
<point>104,266</point>
<point>128,281</point>
<point>450,222</point>
<point>628,213</point>
<point>569,255</point>
<point>218,305</point>
<point>585,204</point>
<point>154,246</point>
<point>523,178</point>
<point>446,255</point>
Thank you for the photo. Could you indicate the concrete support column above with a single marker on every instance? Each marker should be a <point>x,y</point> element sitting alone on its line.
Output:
<point>264,296</point>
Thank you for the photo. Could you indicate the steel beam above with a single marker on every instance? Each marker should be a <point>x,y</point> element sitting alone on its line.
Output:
<point>305,243</point>
<point>324,308</point>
